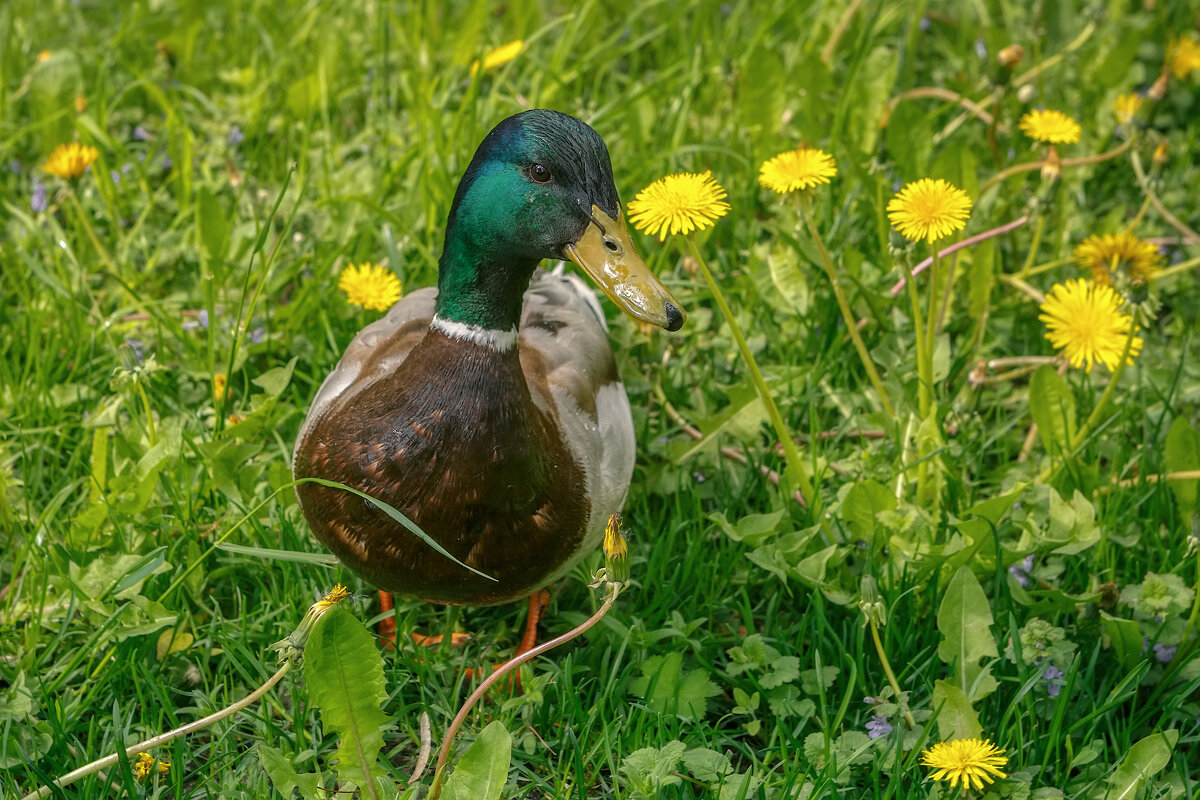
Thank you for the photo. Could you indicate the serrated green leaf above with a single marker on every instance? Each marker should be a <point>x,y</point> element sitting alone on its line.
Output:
<point>651,768</point>
<point>1052,406</point>
<point>862,503</point>
<point>667,690</point>
<point>482,772</point>
<point>284,777</point>
<point>706,765</point>
<point>964,619</point>
<point>344,673</point>
<point>1145,759</point>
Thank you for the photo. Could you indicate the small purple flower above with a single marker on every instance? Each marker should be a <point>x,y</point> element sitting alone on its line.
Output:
<point>1052,677</point>
<point>167,163</point>
<point>140,134</point>
<point>116,177</point>
<point>38,201</point>
<point>924,24</point>
<point>980,49</point>
<point>236,136</point>
<point>877,727</point>
<point>203,317</point>
<point>15,166</point>
<point>896,184</point>
<point>1020,570</point>
<point>258,335</point>
<point>1164,653</point>
<point>868,700</point>
<point>698,477</point>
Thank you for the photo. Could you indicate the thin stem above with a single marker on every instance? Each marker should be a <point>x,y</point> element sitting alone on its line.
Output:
<point>91,234</point>
<point>939,93</point>
<point>1034,294</point>
<point>1137,219</point>
<point>1030,166</point>
<point>919,329</point>
<point>508,666</point>
<point>1182,266</point>
<point>1033,247</point>
<point>847,314</point>
<point>891,676</point>
<point>149,414</point>
<point>1045,266</point>
<point>839,30</point>
<point>1172,220</point>
<point>162,738</point>
<point>794,463</point>
<point>954,248</point>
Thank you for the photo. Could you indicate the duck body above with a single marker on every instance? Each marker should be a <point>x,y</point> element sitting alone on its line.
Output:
<point>489,412</point>
<point>512,460</point>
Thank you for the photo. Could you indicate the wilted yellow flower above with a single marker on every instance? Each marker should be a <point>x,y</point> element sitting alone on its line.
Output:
<point>1048,125</point>
<point>334,596</point>
<point>501,55</point>
<point>1183,56</point>
<point>372,287</point>
<point>1160,152</point>
<point>220,387</point>
<point>1107,253</point>
<point>80,104</point>
<point>1010,56</point>
<point>972,762</point>
<point>70,160</point>
<point>1084,320</point>
<point>929,209</point>
<point>801,168</point>
<point>146,764</point>
<point>679,203</point>
<point>1126,107</point>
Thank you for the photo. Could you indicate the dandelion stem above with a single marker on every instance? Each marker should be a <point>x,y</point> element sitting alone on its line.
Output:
<point>1045,266</point>
<point>924,372</point>
<point>847,314</point>
<point>1033,246</point>
<point>1182,266</point>
<point>1172,220</point>
<point>1101,406</point>
<point>795,465</point>
<point>162,738</point>
<point>149,414</point>
<point>444,753</point>
<point>1030,166</point>
<point>909,721</point>
<point>91,233</point>
<point>898,287</point>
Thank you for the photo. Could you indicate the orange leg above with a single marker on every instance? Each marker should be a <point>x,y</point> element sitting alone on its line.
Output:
<point>537,604</point>
<point>387,625</point>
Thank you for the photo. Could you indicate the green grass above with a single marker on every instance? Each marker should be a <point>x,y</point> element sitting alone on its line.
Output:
<point>357,119</point>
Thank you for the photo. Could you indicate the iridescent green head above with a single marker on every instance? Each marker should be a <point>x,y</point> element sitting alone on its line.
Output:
<point>540,186</point>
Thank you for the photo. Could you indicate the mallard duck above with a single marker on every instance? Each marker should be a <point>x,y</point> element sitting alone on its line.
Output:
<point>489,411</point>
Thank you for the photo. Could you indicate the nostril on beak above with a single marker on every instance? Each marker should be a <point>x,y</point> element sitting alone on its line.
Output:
<point>674,317</point>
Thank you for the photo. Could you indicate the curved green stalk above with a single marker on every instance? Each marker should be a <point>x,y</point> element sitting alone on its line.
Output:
<point>795,465</point>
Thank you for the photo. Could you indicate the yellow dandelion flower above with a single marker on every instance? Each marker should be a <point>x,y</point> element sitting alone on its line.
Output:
<point>929,209</point>
<point>1050,126</point>
<point>221,389</point>
<point>1160,153</point>
<point>69,161</point>
<point>1183,56</point>
<point>614,543</point>
<point>972,762</point>
<point>679,203</point>
<point>1126,107</point>
<point>334,596</point>
<point>501,55</point>
<point>145,765</point>
<point>801,168</point>
<point>44,55</point>
<point>80,104</point>
<point>1084,321</point>
<point>372,287</point>
<point>1107,253</point>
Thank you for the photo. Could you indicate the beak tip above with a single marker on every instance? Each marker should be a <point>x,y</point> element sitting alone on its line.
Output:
<point>674,317</point>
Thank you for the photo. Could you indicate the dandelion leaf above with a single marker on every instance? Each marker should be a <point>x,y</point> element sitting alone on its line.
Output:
<point>1183,454</point>
<point>1145,759</point>
<point>1053,409</point>
<point>957,719</point>
<point>283,775</point>
<point>651,768</point>
<point>482,772</point>
<point>344,672</point>
<point>964,620</point>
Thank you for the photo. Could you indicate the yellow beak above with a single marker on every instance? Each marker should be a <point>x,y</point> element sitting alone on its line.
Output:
<point>606,253</point>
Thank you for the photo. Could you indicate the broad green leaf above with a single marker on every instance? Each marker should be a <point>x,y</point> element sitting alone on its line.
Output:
<point>482,772</point>
<point>957,719</point>
<point>666,689</point>
<point>870,92</point>
<point>706,765</point>
<point>1053,408</point>
<point>1072,523</point>
<point>1183,454</point>
<point>1125,635</point>
<point>786,275</point>
<point>981,276</point>
<point>283,775</point>
<point>964,620</point>
<point>212,225</point>
<point>753,529</point>
<point>275,380</point>
<point>344,673</point>
<point>1145,759</point>
<point>651,768</point>
<point>862,503</point>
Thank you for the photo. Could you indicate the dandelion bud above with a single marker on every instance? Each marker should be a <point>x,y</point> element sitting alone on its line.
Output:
<point>1160,153</point>
<point>1010,56</point>
<point>1052,166</point>
<point>616,551</point>
<point>870,603</point>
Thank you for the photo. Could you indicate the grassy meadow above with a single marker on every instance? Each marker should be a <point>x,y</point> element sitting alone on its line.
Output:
<point>970,537</point>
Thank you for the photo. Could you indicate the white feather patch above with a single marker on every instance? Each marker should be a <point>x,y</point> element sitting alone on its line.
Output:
<point>500,341</point>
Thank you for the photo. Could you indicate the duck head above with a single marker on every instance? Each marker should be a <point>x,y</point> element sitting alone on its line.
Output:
<point>541,186</point>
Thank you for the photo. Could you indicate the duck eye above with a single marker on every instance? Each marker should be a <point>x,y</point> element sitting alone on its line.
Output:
<point>539,173</point>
